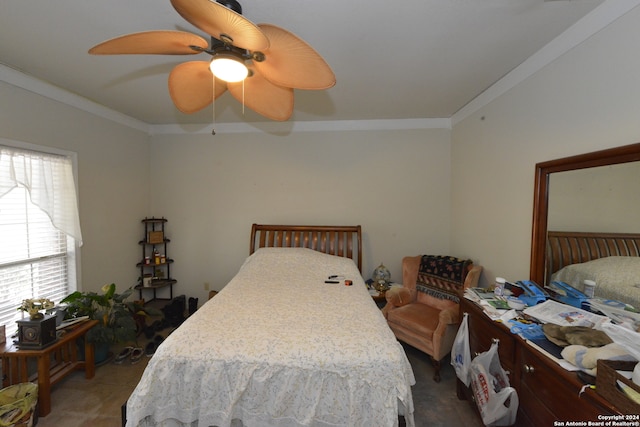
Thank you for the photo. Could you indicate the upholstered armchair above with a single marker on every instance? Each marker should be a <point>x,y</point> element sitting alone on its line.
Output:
<point>424,312</point>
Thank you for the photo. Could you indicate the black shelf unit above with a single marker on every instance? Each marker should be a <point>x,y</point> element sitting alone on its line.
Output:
<point>155,265</point>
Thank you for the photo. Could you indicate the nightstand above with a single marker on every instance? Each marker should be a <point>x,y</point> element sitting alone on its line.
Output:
<point>379,298</point>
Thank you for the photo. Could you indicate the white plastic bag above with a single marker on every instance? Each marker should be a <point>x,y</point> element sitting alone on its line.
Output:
<point>496,399</point>
<point>460,353</point>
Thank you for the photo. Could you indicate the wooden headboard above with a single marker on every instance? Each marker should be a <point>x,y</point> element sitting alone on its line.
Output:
<point>569,247</point>
<point>344,241</point>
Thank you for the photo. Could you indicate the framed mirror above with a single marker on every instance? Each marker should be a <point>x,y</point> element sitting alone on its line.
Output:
<point>544,173</point>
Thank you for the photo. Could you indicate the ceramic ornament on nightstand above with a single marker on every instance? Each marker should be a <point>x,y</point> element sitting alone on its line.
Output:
<point>381,278</point>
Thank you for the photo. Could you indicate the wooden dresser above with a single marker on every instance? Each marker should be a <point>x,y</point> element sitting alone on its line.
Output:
<point>547,393</point>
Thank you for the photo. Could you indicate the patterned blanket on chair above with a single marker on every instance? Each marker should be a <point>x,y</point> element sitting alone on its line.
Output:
<point>442,276</point>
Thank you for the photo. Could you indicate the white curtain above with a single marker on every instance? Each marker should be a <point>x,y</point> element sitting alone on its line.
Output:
<point>49,180</point>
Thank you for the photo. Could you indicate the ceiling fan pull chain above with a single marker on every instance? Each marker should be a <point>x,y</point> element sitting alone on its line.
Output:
<point>213,104</point>
<point>243,97</point>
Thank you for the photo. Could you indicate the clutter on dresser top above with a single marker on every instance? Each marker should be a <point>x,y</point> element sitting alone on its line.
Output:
<point>573,329</point>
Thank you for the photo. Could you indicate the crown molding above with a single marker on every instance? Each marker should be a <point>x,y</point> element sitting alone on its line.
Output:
<point>593,22</point>
<point>48,90</point>
<point>307,126</point>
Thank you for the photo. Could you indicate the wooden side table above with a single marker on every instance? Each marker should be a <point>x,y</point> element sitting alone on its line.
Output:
<point>54,362</point>
<point>381,297</point>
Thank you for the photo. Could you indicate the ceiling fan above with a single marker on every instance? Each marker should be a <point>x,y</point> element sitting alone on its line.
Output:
<point>259,64</point>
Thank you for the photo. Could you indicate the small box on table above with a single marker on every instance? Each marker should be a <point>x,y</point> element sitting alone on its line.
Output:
<point>37,334</point>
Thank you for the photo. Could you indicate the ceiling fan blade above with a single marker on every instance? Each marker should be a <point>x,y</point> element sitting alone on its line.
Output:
<point>151,42</point>
<point>191,86</point>
<point>272,101</point>
<point>221,22</point>
<point>291,62</point>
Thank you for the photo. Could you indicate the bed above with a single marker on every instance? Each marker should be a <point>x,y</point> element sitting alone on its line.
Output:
<point>280,347</point>
<point>612,260</point>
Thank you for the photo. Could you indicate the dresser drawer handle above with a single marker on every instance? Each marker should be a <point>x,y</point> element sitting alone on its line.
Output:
<point>529,369</point>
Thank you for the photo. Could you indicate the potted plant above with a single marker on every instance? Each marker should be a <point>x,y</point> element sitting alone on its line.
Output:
<point>116,317</point>
<point>35,307</point>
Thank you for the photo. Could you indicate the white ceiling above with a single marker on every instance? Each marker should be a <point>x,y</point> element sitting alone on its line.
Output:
<point>420,59</point>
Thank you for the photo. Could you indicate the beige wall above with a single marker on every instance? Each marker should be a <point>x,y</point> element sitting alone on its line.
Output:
<point>396,184</point>
<point>588,99</point>
<point>212,188</point>
<point>113,178</point>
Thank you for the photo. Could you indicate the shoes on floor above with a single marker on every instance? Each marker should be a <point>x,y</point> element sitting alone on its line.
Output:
<point>132,353</point>
<point>156,326</point>
<point>152,346</point>
<point>193,305</point>
<point>136,355</point>
<point>150,349</point>
<point>123,355</point>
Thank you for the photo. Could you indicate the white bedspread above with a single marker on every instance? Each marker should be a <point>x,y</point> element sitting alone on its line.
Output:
<point>279,347</point>
<point>616,278</point>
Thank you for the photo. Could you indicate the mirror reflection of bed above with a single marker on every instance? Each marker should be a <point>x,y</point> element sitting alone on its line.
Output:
<point>585,219</point>
<point>611,260</point>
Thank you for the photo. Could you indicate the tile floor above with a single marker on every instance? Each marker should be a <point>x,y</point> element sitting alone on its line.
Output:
<point>78,402</point>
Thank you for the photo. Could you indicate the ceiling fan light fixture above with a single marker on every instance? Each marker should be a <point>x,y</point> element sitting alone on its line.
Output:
<point>229,67</point>
<point>193,85</point>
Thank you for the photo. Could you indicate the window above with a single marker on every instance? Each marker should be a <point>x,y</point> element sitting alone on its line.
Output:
<point>39,229</point>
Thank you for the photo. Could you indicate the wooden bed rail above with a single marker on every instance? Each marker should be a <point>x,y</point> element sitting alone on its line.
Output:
<point>344,241</point>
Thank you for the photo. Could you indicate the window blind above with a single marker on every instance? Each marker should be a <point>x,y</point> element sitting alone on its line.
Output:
<point>37,259</point>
